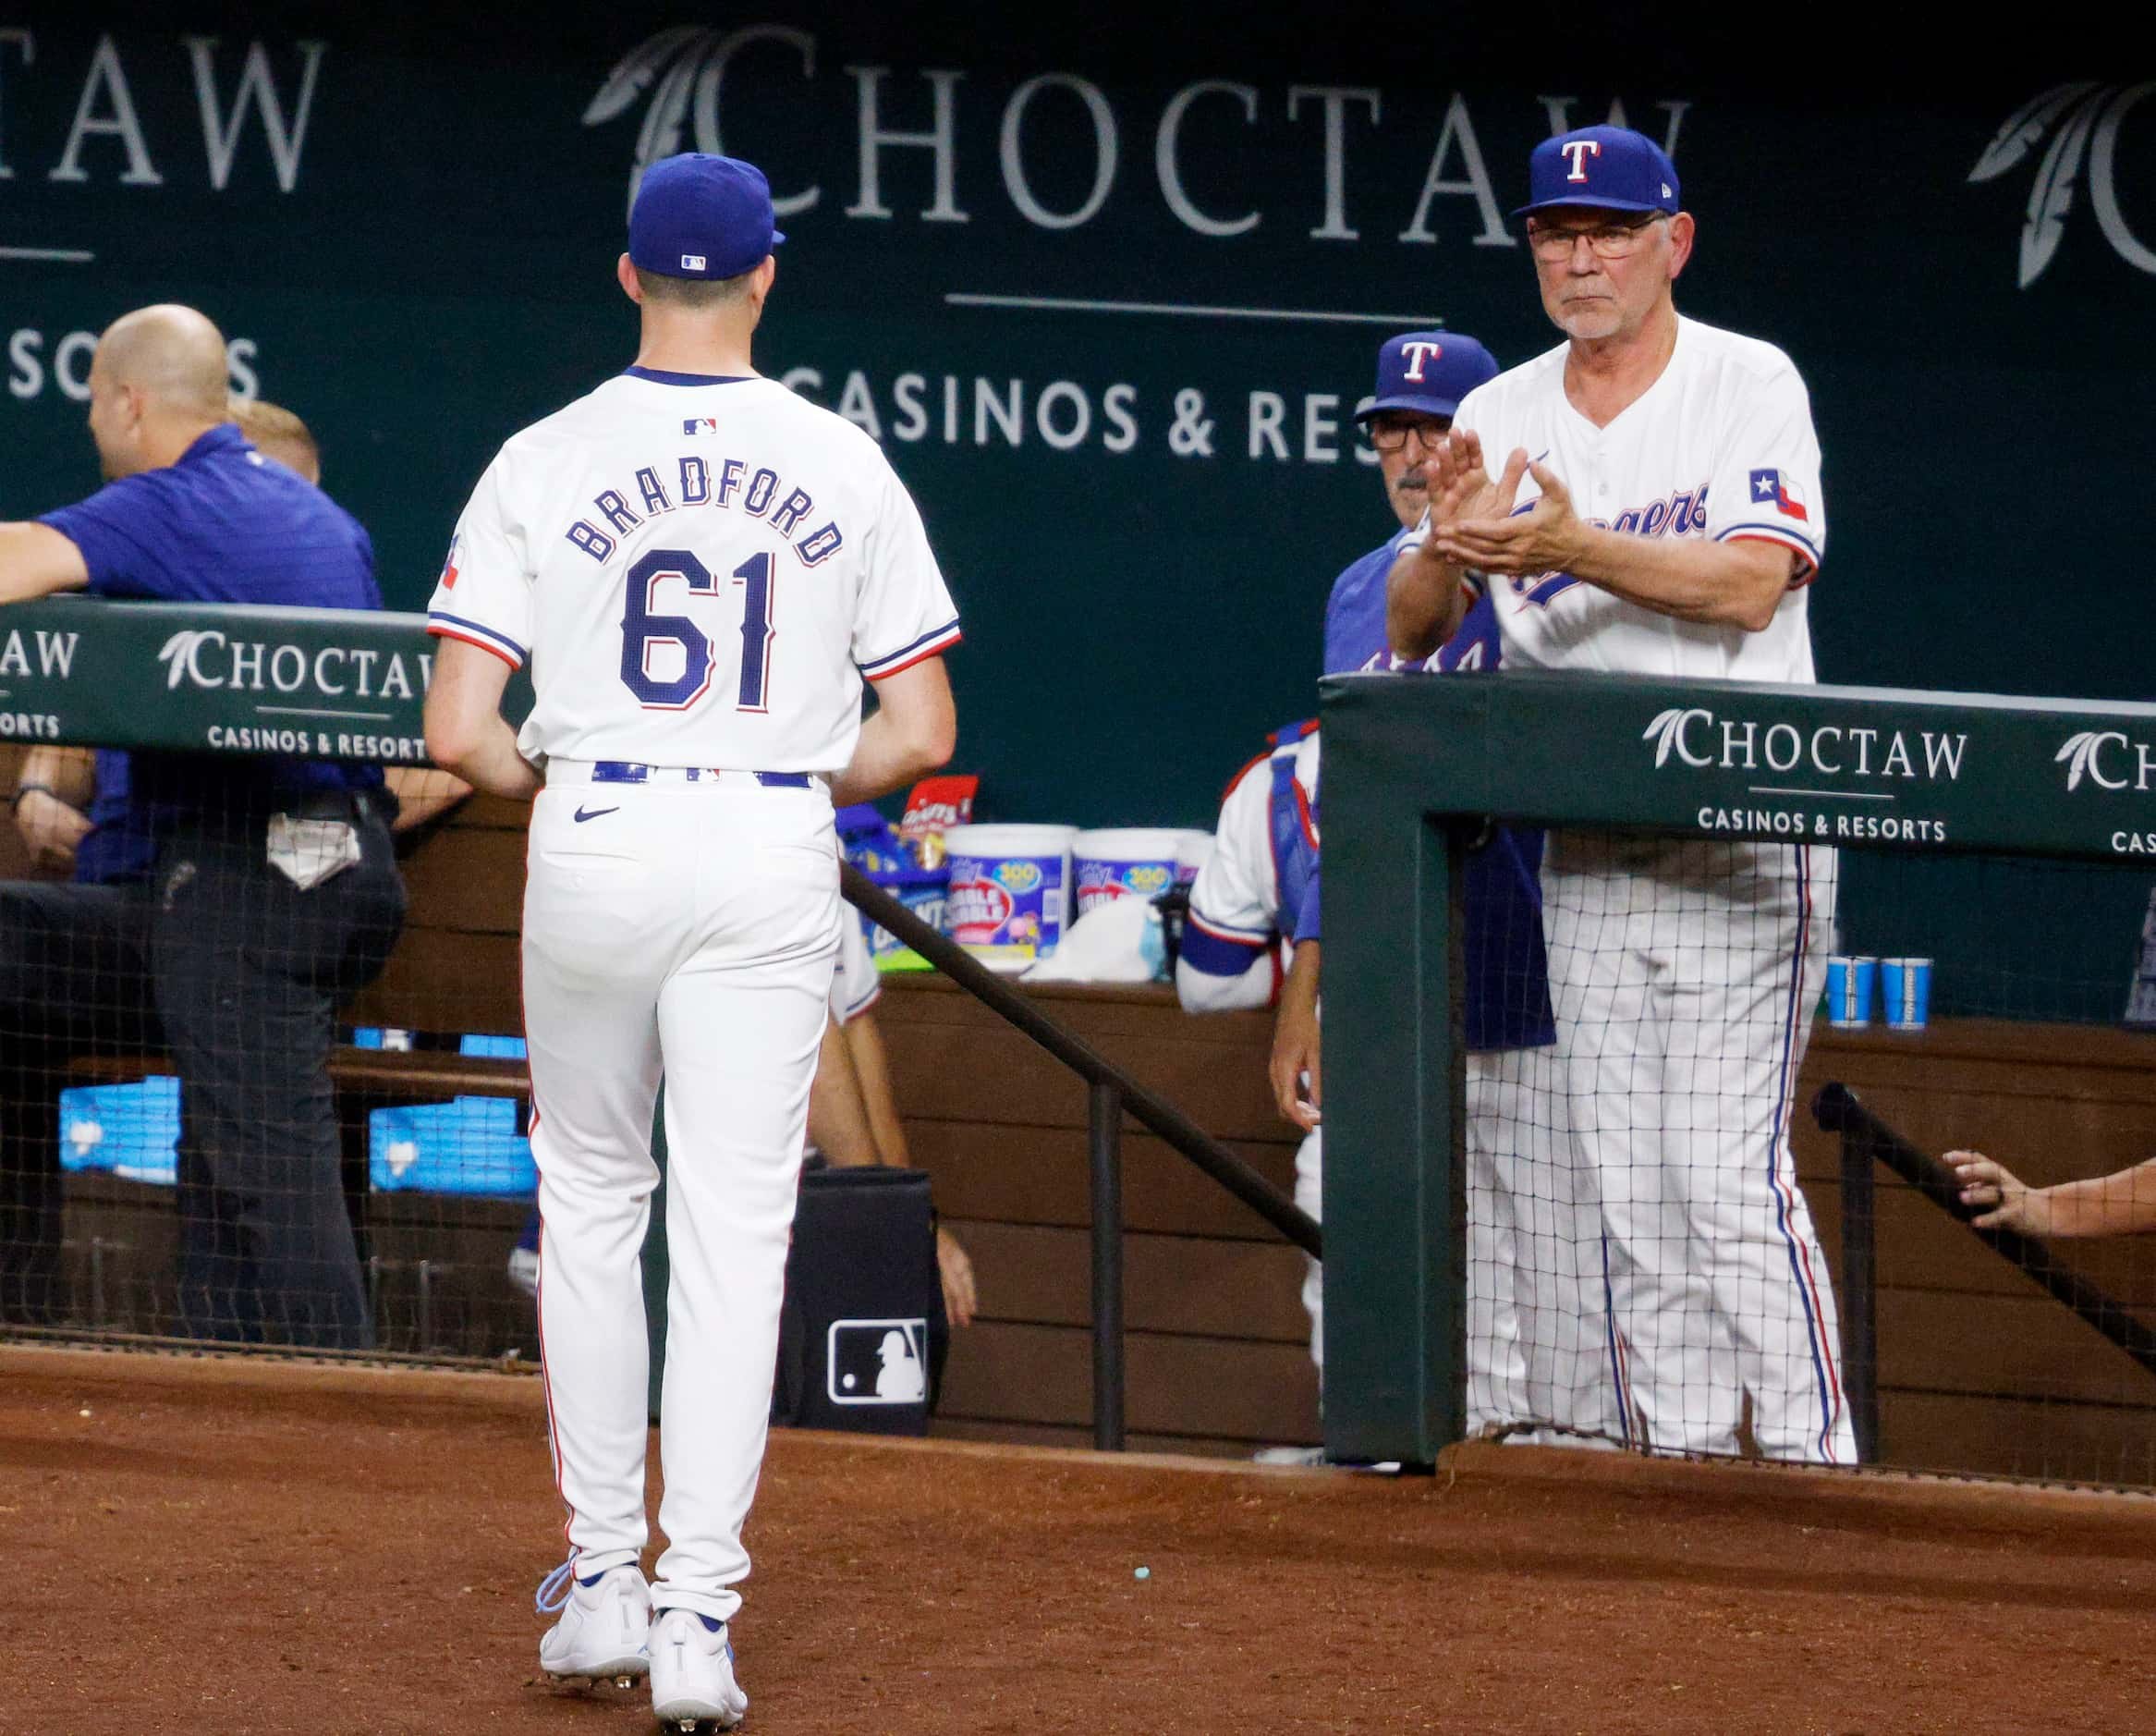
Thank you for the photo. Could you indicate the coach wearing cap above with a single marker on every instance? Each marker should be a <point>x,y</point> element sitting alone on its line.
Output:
<point>1645,500</point>
<point>1421,378</point>
<point>274,892</point>
<point>1522,1336</point>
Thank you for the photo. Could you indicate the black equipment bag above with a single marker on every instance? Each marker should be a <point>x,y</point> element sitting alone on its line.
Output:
<point>862,1334</point>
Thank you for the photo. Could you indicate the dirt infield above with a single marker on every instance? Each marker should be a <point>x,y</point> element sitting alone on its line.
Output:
<point>233,1546</point>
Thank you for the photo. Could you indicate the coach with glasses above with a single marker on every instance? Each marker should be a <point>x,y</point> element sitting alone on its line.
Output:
<point>1655,510</point>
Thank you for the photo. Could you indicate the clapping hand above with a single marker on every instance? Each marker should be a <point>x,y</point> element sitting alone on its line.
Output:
<point>1474,525</point>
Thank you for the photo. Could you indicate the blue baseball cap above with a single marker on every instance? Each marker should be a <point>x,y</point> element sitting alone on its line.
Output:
<point>699,215</point>
<point>1613,167</point>
<point>1427,372</point>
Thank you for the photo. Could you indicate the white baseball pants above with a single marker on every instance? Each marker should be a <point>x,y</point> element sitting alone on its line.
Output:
<point>1685,976</point>
<point>1530,1262</point>
<point>688,930</point>
<point>1511,1351</point>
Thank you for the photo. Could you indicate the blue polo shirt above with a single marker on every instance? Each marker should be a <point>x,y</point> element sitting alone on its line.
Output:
<point>1355,614</point>
<point>1508,967</point>
<point>123,846</point>
<point>224,524</point>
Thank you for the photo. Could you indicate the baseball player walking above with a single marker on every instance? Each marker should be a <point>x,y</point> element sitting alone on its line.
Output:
<point>700,569</point>
<point>1657,511</point>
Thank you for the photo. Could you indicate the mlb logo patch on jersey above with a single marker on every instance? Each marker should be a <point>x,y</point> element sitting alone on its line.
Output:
<point>698,426</point>
<point>1771,488</point>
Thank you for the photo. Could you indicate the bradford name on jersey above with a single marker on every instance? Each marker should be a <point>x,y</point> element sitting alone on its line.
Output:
<point>701,570</point>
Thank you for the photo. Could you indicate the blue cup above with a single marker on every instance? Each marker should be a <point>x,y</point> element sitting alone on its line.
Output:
<point>1849,984</point>
<point>1906,987</point>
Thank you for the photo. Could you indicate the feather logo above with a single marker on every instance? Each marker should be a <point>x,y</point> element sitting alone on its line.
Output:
<point>2079,754</point>
<point>2081,120</point>
<point>681,69</point>
<point>1663,732</point>
<point>180,655</point>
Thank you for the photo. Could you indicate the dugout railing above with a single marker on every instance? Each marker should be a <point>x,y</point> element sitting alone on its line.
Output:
<point>1414,772</point>
<point>351,685</point>
<point>1868,1145</point>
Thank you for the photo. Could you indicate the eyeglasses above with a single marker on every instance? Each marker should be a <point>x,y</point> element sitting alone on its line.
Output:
<point>1608,241</point>
<point>1391,436</point>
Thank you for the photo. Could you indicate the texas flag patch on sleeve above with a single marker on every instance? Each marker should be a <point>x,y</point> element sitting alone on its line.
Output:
<point>1771,488</point>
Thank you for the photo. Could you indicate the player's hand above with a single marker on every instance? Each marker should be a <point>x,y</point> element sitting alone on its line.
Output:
<point>1459,482</point>
<point>1547,537</point>
<point>2012,1205</point>
<point>956,1269</point>
<point>51,829</point>
<point>1298,1083</point>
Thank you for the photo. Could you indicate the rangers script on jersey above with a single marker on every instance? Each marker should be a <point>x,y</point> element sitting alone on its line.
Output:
<point>1720,447</point>
<point>712,566</point>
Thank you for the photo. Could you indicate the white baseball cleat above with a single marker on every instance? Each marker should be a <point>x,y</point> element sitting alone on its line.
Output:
<point>603,1632</point>
<point>692,1673</point>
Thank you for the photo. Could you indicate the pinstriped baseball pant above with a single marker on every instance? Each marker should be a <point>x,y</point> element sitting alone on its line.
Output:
<point>1523,1327</point>
<point>1685,976</point>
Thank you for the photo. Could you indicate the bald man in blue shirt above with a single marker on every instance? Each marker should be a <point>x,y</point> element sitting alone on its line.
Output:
<point>246,957</point>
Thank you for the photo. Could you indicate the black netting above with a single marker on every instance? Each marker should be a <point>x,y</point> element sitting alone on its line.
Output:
<point>224,1114</point>
<point>1662,1239</point>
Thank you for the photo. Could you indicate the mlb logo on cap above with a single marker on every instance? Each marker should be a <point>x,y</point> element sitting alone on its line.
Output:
<point>1613,168</point>
<point>1428,372</point>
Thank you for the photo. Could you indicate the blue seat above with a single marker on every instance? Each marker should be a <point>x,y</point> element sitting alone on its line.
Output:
<point>469,1145</point>
<point>130,1130</point>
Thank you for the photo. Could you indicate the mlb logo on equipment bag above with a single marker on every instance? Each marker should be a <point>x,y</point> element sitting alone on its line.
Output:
<point>876,1362</point>
<point>1770,488</point>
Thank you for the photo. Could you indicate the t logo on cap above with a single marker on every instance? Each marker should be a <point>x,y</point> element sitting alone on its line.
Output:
<point>1417,353</point>
<point>1631,172</point>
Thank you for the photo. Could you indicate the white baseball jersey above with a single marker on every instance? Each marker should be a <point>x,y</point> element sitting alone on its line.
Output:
<point>710,568</point>
<point>1720,447</point>
<point>1235,932</point>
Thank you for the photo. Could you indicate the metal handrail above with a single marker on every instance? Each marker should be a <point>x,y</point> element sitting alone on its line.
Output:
<point>1866,1139</point>
<point>1111,1095</point>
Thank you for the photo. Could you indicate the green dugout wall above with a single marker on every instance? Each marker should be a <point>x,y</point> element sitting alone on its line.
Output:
<point>1412,766</point>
